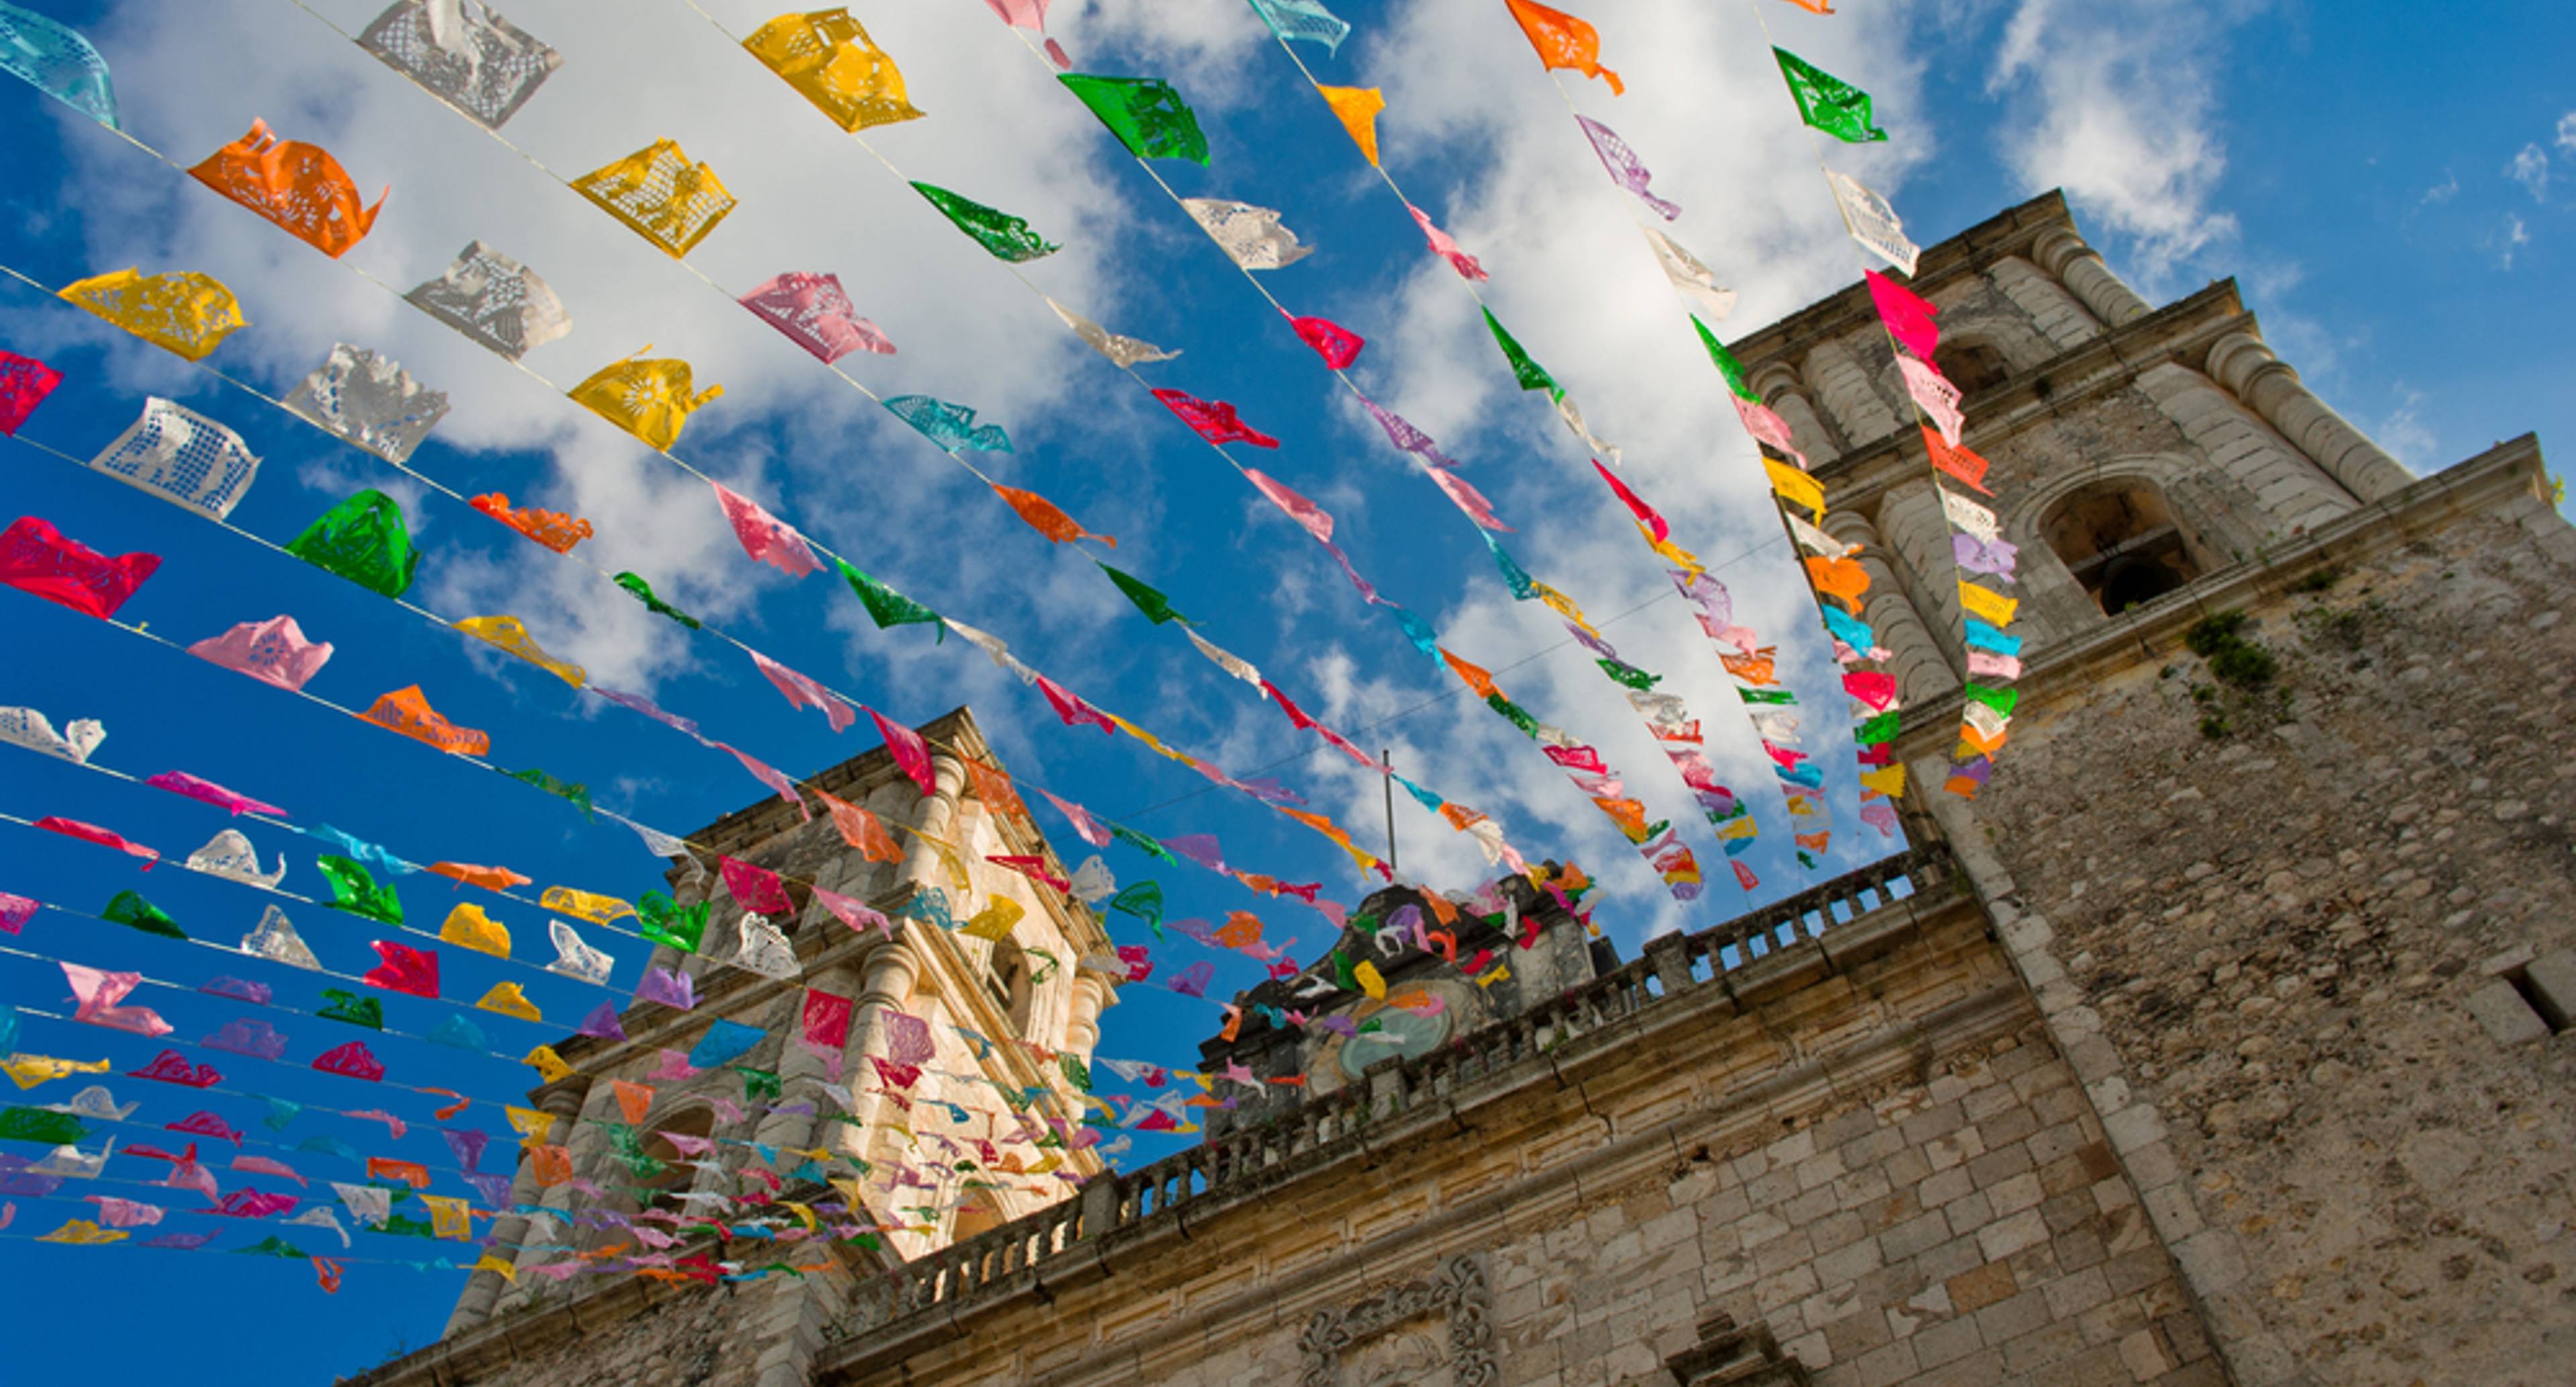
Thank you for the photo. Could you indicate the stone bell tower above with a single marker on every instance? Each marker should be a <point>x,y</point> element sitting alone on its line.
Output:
<point>998,1016</point>
<point>2278,837</point>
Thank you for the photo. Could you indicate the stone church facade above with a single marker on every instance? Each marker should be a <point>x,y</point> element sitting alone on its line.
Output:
<point>2221,1040</point>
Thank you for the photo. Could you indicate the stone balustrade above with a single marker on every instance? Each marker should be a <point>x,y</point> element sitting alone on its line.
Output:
<point>1243,1160</point>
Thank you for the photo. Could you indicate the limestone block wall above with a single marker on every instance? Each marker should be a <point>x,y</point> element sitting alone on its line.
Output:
<point>1871,1149</point>
<point>2294,952</point>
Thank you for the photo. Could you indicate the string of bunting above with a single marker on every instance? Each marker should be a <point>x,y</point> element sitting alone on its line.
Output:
<point>501,287</point>
<point>1565,41</point>
<point>859,86</point>
<point>1151,121</point>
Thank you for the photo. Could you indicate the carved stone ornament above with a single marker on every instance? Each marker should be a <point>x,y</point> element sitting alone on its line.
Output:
<point>1361,1346</point>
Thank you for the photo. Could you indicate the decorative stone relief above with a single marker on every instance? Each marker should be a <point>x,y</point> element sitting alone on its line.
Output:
<point>1377,1342</point>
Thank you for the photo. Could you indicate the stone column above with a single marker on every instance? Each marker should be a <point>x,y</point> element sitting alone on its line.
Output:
<point>2079,267</point>
<point>1092,995</point>
<point>1858,410</point>
<point>1781,389</point>
<point>2246,367</point>
<point>802,1071</point>
<point>1922,671</point>
<point>565,1104</point>
<point>888,973</point>
<point>2056,314</point>
<point>484,1287</point>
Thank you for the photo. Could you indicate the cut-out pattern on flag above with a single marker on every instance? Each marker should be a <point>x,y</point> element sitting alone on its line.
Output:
<point>363,540</point>
<point>24,384</point>
<point>1563,41</point>
<point>814,312</point>
<point>1214,420</point>
<point>764,537</point>
<point>464,54</point>
<point>187,314</point>
<point>1303,19</point>
<point>553,529</point>
<point>1004,236</point>
<point>276,940</point>
<point>54,59</point>
<point>1828,102</point>
<point>830,61</point>
<point>1145,113</point>
<point>298,186</point>
<point>468,927</point>
<point>951,426</point>
<point>1251,235</point>
<point>1337,345</point>
<point>183,457</point>
<point>660,196</point>
<point>407,711</point>
<point>1873,223</point>
<point>1126,351</point>
<point>369,400</point>
<point>494,300</point>
<point>29,728</point>
<point>1935,395</point>
<point>272,651</point>
<point>648,398</point>
<point>38,559</point>
<point>229,855</point>
<point>1626,169</point>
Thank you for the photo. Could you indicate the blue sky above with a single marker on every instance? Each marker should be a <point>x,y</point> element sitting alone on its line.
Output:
<point>2391,191</point>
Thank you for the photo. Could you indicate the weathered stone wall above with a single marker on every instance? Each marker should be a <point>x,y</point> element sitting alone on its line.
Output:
<point>1865,1145</point>
<point>638,1333</point>
<point>2288,929</point>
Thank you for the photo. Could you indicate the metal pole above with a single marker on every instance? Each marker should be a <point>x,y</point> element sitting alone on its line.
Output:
<point>1386,765</point>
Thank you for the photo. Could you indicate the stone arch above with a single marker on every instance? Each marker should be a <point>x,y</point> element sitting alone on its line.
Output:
<point>2098,541</point>
<point>1975,362</point>
<point>663,1189</point>
<point>1007,979</point>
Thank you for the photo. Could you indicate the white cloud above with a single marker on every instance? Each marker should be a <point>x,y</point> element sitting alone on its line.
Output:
<point>2403,432</point>
<point>2567,132</point>
<point>2530,168</point>
<point>2441,192</point>
<point>2507,242</point>
<point>2117,102</point>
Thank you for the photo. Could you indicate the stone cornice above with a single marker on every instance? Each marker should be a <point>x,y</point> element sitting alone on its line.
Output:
<point>2012,232</point>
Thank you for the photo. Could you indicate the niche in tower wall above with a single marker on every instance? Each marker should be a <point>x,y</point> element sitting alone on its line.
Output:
<point>2119,542</point>
<point>1437,1331</point>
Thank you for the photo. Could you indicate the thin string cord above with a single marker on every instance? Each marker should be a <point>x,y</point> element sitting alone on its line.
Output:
<point>504,141</point>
